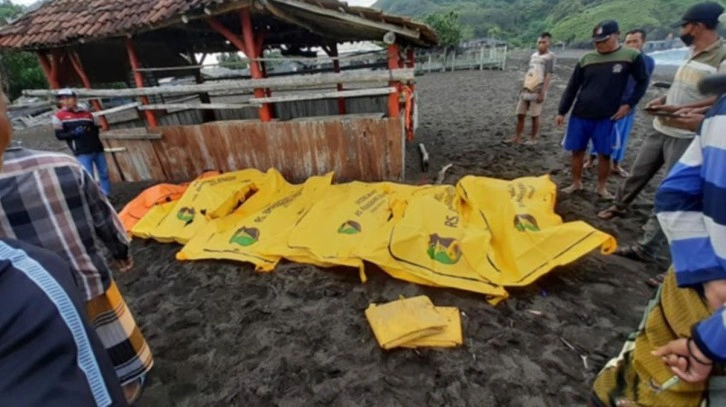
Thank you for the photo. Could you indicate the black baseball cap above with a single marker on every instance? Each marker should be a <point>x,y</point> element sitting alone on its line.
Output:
<point>702,12</point>
<point>604,30</point>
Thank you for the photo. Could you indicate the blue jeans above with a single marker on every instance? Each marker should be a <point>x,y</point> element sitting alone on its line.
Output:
<point>99,160</point>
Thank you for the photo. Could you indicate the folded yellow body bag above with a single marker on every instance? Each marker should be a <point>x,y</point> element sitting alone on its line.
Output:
<point>414,322</point>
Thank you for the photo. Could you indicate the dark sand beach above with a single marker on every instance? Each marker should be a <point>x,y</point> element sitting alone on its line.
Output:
<point>225,335</point>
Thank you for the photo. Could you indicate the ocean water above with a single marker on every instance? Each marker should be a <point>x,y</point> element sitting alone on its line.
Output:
<point>671,57</point>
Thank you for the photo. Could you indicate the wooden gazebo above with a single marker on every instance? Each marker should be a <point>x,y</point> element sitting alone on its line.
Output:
<point>349,119</point>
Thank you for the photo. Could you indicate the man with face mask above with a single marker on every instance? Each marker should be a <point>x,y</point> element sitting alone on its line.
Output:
<point>667,143</point>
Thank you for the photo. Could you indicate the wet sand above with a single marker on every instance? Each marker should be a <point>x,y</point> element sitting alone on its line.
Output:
<point>225,335</point>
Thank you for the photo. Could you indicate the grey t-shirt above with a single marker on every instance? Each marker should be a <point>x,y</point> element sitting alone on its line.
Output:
<point>540,65</point>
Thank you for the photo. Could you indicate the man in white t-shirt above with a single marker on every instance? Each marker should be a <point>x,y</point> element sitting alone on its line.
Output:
<point>534,89</point>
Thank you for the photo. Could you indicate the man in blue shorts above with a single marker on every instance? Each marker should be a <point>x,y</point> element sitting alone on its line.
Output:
<point>596,91</point>
<point>633,39</point>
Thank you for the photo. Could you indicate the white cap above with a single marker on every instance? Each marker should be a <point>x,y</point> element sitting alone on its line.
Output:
<point>66,93</point>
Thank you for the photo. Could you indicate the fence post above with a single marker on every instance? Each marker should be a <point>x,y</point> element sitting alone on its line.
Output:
<point>481,58</point>
<point>504,59</point>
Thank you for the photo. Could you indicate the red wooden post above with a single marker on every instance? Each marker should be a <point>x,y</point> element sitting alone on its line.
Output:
<point>45,64</point>
<point>248,46</point>
<point>55,66</point>
<point>333,53</point>
<point>394,106</point>
<point>248,36</point>
<point>139,79</point>
<point>76,62</point>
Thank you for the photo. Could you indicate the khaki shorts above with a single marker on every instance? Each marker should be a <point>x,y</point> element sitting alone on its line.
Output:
<point>525,107</point>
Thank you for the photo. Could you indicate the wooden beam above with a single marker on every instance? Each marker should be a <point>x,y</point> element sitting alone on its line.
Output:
<point>229,35</point>
<point>283,83</point>
<point>47,68</point>
<point>78,67</point>
<point>201,106</point>
<point>117,109</point>
<point>385,27</point>
<point>120,136</point>
<point>139,79</point>
<point>326,95</point>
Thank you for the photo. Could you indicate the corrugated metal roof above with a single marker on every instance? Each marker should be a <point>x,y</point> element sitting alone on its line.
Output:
<point>67,22</point>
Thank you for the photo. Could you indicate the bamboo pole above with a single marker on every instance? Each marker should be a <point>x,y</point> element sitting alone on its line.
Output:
<point>139,79</point>
<point>286,82</point>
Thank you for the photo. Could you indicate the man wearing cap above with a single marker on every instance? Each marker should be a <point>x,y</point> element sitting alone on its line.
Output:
<point>596,91</point>
<point>668,141</point>
<point>76,126</point>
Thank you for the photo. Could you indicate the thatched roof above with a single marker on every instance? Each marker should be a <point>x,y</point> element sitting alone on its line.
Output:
<point>60,23</point>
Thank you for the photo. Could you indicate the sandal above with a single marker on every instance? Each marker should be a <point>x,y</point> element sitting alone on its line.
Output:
<point>632,253</point>
<point>611,213</point>
<point>656,281</point>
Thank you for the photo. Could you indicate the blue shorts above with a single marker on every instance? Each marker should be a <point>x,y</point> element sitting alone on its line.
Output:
<point>581,131</point>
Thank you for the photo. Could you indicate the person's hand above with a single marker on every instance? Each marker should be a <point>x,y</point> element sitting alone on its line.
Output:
<point>541,98</point>
<point>668,108</point>
<point>622,112</point>
<point>686,111</point>
<point>124,266</point>
<point>687,364</point>
<point>689,122</point>
<point>655,104</point>
<point>559,120</point>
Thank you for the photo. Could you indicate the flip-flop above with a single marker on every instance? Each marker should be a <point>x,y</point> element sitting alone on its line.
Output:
<point>610,213</point>
<point>632,253</point>
<point>530,143</point>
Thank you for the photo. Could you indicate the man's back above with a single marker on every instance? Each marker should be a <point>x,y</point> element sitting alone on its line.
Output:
<point>48,200</point>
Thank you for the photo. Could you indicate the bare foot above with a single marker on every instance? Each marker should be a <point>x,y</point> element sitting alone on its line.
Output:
<point>620,171</point>
<point>132,391</point>
<point>572,189</point>
<point>605,194</point>
<point>531,142</point>
<point>514,140</point>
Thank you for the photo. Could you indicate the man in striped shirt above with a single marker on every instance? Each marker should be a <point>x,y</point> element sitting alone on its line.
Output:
<point>690,207</point>
<point>49,200</point>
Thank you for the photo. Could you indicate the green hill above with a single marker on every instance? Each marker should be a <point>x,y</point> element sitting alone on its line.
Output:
<point>569,20</point>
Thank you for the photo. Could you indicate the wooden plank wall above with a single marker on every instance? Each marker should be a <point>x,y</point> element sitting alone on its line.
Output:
<point>366,149</point>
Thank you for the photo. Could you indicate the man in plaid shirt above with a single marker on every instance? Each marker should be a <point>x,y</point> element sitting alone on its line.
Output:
<point>48,200</point>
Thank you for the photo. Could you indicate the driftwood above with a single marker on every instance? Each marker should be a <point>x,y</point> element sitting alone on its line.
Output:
<point>424,157</point>
<point>442,174</point>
